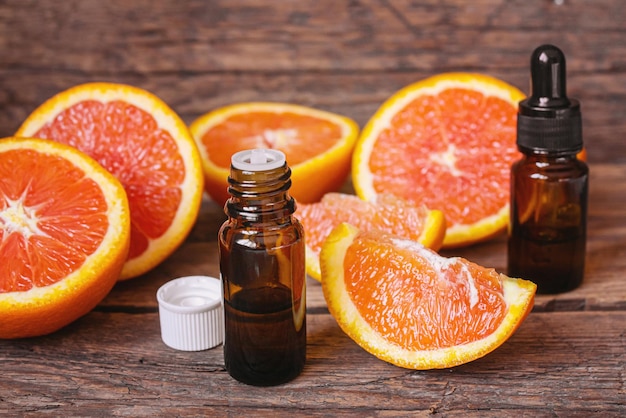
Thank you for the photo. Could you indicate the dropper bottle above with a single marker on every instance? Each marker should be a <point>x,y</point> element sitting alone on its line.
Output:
<point>261,252</point>
<point>549,185</point>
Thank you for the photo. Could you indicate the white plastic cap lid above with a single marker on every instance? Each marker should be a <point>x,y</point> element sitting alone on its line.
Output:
<point>260,159</point>
<point>191,313</point>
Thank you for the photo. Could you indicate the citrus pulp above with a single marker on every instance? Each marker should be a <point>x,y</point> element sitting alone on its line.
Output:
<point>64,235</point>
<point>389,214</point>
<point>318,144</point>
<point>411,307</point>
<point>144,143</point>
<point>447,142</point>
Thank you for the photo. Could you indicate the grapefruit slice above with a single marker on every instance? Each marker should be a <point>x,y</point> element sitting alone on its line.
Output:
<point>318,145</point>
<point>139,139</point>
<point>447,142</point>
<point>389,214</point>
<point>64,235</point>
<point>410,307</point>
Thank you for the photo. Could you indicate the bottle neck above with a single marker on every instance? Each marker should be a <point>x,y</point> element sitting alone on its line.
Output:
<point>260,196</point>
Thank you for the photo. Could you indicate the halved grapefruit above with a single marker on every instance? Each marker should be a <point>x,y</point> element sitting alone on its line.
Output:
<point>318,144</point>
<point>64,235</point>
<point>447,142</point>
<point>143,143</point>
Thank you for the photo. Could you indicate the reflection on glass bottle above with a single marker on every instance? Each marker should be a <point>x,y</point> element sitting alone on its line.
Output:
<point>548,221</point>
<point>263,273</point>
<point>549,185</point>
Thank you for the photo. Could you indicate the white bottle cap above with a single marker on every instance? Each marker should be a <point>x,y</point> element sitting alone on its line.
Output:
<point>191,313</point>
<point>260,159</point>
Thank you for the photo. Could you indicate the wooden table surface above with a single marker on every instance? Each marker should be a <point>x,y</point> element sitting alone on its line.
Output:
<point>567,359</point>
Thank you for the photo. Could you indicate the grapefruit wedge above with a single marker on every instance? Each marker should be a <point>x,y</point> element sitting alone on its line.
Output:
<point>389,214</point>
<point>410,307</point>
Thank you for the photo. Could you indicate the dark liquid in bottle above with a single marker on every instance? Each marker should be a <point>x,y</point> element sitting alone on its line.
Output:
<point>265,339</point>
<point>555,263</point>
<point>548,223</point>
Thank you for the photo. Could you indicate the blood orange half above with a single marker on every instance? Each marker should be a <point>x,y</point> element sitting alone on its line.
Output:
<point>318,144</point>
<point>447,142</point>
<point>64,235</point>
<point>143,143</point>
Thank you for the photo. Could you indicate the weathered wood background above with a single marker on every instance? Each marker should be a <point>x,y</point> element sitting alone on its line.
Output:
<point>567,359</point>
<point>338,55</point>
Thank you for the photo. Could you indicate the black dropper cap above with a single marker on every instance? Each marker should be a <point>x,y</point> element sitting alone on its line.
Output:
<point>548,121</point>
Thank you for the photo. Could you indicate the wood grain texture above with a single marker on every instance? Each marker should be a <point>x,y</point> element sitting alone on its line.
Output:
<point>346,56</point>
<point>576,368</point>
<point>342,56</point>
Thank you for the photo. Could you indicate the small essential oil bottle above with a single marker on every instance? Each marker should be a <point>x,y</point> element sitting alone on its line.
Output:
<point>549,185</point>
<point>261,252</point>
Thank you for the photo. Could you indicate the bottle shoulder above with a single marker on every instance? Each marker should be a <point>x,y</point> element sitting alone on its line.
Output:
<point>546,166</point>
<point>256,235</point>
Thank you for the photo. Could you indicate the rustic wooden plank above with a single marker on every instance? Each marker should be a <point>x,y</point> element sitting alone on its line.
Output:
<point>115,364</point>
<point>340,56</point>
<point>567,359</point>
<point>355,95</point>
<point>245,35</point>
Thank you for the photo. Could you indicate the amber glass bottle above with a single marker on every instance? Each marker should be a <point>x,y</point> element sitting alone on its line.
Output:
<point>261,250</point>
<point>549,185</point>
